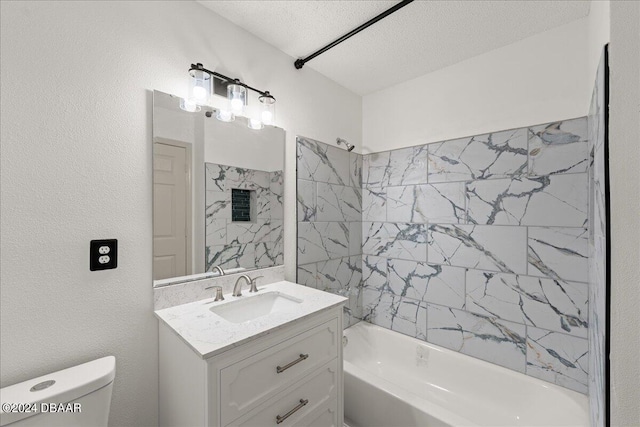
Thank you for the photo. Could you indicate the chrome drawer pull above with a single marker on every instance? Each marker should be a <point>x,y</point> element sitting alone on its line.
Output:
<point>280,369</point>
<point>280,419</point>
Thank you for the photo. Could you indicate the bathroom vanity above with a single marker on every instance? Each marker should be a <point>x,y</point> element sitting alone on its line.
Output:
<point>272,357</point>
<point>268,358</point>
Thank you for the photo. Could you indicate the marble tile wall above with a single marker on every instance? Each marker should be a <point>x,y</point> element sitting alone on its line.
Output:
<point>598,248</point>
<point>253,244</point>
<point>480,245</point>
<point>329,204</point>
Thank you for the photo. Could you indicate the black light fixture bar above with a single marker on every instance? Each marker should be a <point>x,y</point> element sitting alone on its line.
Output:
<point>230,80</point>
<point>299,63</point>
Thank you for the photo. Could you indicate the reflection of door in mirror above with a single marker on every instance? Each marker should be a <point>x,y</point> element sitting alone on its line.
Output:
<point>172,209</point>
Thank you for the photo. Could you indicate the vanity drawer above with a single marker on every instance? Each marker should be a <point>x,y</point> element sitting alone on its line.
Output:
<point>326,416</point>
<point>305,402</point>
<point>248,383</point>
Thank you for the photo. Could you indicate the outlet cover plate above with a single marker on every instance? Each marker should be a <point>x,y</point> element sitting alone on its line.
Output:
<point>95,253</point>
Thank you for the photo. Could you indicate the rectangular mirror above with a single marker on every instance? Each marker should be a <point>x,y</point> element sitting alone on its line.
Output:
<point>217,193</point>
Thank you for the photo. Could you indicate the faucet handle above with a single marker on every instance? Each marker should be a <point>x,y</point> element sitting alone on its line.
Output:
<point>219,296</point>
<point>254,288</point>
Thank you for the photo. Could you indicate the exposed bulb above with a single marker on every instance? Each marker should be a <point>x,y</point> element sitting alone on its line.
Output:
<point>267,117</point>
<point>225,116</point>
<point>267,108</point>
<point>199,93</point>
<point>255,124</point>
<point>236,104</point>
<point>189,105</point>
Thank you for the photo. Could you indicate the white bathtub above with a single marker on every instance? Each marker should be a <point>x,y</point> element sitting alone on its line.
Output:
<point>392,380</point>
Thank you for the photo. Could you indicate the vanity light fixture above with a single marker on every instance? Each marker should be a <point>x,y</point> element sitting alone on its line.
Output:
<point>201,85</point>
<point>267,108</point>
<point>237,96</point>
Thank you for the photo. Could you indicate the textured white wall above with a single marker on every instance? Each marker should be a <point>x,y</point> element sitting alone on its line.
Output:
<point>624,161</point>
<point>536,80</point>
<point>598,23</point>
<point>75,159</point>
<point>234,144</point>
<point>178,125</point>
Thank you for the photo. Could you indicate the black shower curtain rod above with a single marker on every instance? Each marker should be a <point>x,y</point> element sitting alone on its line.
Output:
<point>301,61</point>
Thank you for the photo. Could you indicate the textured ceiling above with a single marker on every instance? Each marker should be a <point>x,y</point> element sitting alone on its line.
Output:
<point>419,38</point>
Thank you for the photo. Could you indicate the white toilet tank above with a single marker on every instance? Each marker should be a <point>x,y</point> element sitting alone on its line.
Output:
<point>75,397</point>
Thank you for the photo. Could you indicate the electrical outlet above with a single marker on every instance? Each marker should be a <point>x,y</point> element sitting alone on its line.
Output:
<point>98,258</point>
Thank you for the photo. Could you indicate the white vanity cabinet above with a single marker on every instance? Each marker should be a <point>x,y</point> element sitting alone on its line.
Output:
<point>291,376</point>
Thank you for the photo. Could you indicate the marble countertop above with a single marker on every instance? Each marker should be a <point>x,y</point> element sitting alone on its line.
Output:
<point>209,334</point>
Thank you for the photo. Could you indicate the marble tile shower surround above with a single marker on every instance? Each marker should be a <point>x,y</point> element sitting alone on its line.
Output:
<point>481,245</point>
<point>256,243</point>
<point>478,244</point>
<point>597,249</point>
<point>183,293</point>
<point>329,204</point>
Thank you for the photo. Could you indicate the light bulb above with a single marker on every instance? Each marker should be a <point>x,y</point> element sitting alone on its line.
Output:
<point>236,104</point>
<point>199,85</point>
<point>267,116</point>
<point>199,93</point>
<point>267,108</point>
<point>255,124</point>
<point>237,96</point>
<point>189,105</point>
<point>225,116</point>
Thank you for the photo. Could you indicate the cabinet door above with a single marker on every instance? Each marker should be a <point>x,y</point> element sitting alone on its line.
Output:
<point>248,383</point>
<point>310,395</point>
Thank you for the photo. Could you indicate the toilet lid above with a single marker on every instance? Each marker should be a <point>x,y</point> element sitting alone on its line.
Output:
<point>59,387</point>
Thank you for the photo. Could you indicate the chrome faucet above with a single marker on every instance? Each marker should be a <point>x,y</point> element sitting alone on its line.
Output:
<point>219,296</point>
<point>218,269</point>
<point>237,289</point>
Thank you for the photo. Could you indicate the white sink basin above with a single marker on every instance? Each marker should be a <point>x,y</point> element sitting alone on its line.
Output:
<point>251,307</point>
<point>211,328</point>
